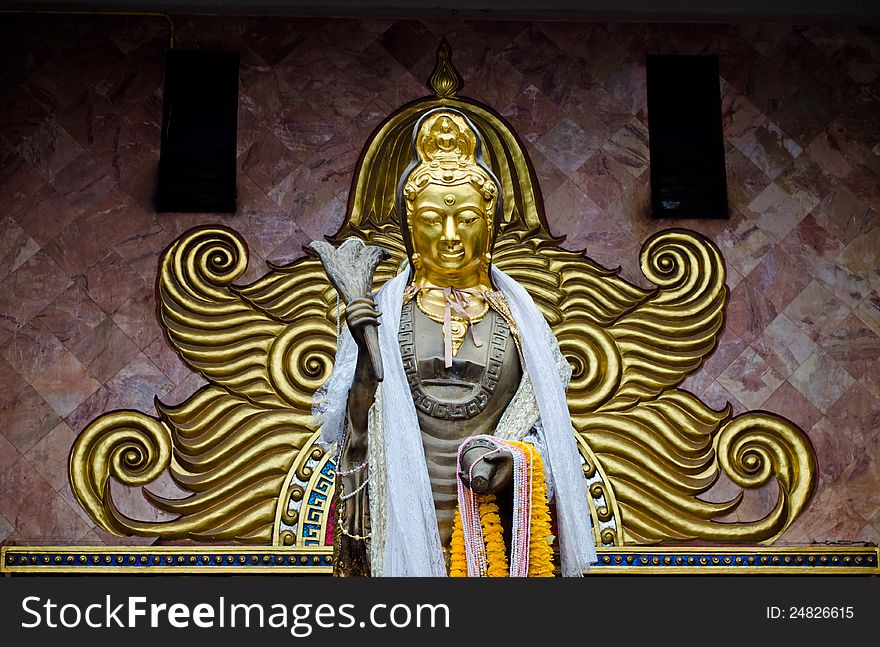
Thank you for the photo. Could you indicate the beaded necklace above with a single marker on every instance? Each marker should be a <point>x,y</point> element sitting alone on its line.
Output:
<point>477,543</point>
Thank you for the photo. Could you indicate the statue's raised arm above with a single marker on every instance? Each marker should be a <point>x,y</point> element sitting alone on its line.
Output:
<point>350,268</point>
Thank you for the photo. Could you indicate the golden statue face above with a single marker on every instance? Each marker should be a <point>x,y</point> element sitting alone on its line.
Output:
<point>450,234</point>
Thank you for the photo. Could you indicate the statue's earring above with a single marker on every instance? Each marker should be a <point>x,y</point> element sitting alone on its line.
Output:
<point>487,259</point>
<point>416,260</point>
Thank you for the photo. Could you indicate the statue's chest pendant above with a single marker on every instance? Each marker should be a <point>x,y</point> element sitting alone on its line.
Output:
<point>458,330</point>
<point>480,387</point>
<point>458,327</point>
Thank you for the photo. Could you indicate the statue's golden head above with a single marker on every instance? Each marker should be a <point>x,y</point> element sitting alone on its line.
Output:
<point>449,201</point>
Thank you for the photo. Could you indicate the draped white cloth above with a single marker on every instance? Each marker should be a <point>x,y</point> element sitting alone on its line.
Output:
<point>406,541</point>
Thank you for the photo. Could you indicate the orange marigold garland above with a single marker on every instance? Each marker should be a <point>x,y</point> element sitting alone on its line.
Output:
<point>541,538</point>
<point>457,558</point>
<point>478,549</point>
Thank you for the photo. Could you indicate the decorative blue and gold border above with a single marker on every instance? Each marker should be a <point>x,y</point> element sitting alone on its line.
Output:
<point>166,559</point>
<point>845,560</point>
<point>851,560</point>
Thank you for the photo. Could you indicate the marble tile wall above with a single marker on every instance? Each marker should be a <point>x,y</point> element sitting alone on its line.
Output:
<point>79,238</point>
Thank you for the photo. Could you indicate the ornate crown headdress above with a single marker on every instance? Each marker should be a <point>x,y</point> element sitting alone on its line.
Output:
<point>448,151</point>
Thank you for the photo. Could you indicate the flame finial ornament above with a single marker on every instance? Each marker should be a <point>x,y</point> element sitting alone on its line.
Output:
<point>445,81</point>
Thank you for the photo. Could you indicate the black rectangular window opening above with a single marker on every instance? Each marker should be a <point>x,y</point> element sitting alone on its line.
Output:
<point>199,130</point>
<point>686,141</point>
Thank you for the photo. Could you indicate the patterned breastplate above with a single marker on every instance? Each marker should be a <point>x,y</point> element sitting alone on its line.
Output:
<point>475,384</point>
<point>454,404</point>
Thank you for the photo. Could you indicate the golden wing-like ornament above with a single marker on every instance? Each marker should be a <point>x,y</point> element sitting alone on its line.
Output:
<point>233,442</point>
<point>660,447</point>
<point>651,449</point>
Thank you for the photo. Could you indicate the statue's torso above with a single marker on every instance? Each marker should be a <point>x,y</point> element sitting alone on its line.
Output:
<point>464,400</point>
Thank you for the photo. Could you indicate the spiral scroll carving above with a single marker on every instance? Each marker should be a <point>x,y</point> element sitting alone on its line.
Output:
<point>756,447</point>
<point>608,536</point>
<point>306,353</point>
<point>129,446</point>
<point>668,336</point>
<point>208,259</point>
<point>213,330</point>
<point>295,493</point>
<point>686,268</point>
<point>595,363</point>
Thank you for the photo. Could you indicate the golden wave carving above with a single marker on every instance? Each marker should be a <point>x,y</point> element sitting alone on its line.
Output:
<point>129,446</point>
<point>231,442</point>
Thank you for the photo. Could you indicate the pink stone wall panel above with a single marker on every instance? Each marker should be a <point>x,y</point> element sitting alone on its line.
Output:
<point>80,241</point>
